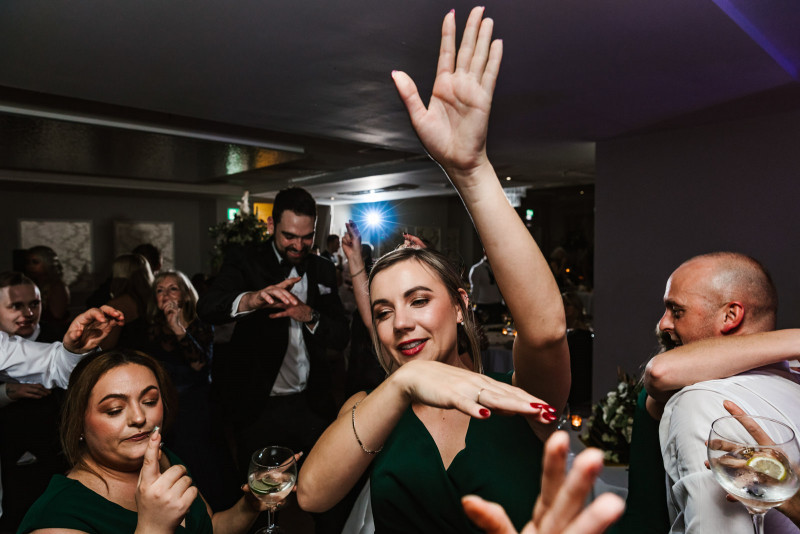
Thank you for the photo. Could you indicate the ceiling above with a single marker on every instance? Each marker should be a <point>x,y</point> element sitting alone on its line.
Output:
<point>193,96</point>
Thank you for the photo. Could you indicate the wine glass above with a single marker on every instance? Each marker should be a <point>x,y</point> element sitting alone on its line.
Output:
<point>271,477</point>
<point>754,459</point>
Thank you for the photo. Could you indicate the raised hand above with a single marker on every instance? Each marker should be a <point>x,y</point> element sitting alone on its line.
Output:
<point>274,296</point>
<point>351,246</point>
<point>91,327</point>
<point>453,127</point>
<point>162,499</point>
<point>173,315</point>
<point>559,508</point>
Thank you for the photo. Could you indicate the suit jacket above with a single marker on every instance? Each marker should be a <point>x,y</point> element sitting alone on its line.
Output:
<point>259,343</point>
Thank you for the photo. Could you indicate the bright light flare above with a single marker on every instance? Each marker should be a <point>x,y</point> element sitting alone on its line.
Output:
<point>374,219</point>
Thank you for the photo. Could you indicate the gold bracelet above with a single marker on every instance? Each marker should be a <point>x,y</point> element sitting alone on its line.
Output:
<point>363,448</point>
<point>358,272</point>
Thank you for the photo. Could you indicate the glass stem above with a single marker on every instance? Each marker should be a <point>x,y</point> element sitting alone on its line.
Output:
<point>271,520</point>
<point>758,522</point>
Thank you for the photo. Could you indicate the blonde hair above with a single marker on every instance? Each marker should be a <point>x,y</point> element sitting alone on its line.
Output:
<point>131,275</point>
<point>188,292</point>
<point>467,338</point>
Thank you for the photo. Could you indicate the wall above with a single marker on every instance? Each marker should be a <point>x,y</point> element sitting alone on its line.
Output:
<point>191,216</point>
<point>662,198</point>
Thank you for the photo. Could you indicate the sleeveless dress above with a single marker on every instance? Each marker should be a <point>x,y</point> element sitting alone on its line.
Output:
<point>66,503</point>
<point>646,507</point>
<point>412,491</point>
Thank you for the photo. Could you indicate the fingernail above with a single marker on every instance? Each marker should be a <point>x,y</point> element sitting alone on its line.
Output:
<point>549,408</point>
<point>154,431</point>
<point>537,405</point>
<point>484,412</point>
<point>549,417</point>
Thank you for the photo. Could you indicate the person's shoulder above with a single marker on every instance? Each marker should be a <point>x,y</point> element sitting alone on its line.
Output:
<point>689,413</point>
<point>322,265</point>
<point>64,504</point>
<point>239,255</point>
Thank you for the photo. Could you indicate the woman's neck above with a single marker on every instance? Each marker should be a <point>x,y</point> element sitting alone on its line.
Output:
<point>95,475</point>
<point>455,359</point>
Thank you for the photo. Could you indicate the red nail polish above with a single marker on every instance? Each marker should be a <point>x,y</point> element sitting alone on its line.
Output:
<point>537,405</point>
<point>484,412</point>
<point>549,417</point>
<point>549,408</point>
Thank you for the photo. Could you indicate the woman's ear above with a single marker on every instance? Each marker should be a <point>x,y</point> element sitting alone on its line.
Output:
<point>465,298</point>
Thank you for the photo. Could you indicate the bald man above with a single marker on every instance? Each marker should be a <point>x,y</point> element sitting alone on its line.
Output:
<point>709,296</point>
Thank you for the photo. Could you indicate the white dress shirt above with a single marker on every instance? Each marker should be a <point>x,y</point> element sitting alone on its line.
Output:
<point>293,374</point>
<point>695,499</point>
<point>49,364</point>
<point>480,280</point>
<point>5,400</point>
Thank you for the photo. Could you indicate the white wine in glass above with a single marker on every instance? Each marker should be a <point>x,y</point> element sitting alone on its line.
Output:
<point>271,477</point>
<point>755,460</point>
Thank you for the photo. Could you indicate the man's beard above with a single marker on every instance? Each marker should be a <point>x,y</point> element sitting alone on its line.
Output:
<point>665,342</point>
<point>304,252</point>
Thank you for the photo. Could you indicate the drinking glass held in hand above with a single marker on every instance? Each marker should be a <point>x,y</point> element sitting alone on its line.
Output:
<point>755,460</point>
<point>271,477</point>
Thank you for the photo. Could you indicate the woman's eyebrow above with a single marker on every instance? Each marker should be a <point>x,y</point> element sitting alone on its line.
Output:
<point>414,290</point>
<point>407,294</point>
<point>124,397</point>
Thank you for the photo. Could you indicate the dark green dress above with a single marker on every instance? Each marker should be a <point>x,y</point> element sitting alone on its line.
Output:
<point>66,503</point>
<point>646,506</point>
<point>412,492</point>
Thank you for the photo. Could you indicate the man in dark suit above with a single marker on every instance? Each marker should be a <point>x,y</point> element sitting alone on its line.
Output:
<point>287,311</point>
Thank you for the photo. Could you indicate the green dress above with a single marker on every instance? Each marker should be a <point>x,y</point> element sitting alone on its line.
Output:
<point>646,506</point>
<point>412,491</point>
<point>66,503</point>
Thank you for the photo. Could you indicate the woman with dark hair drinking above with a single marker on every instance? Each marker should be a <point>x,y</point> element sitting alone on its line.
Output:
<point>120,480</point>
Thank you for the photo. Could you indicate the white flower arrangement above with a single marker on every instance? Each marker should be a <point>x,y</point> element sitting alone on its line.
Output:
<point>611,424</point>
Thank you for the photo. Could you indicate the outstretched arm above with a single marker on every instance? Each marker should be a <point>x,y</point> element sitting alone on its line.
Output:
<point>338,460</point>
<point>453,130</point>
<point>717,357</point>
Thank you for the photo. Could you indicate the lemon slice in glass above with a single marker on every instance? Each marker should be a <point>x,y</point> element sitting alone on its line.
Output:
<point>264,486</point>
<point>768,466</point>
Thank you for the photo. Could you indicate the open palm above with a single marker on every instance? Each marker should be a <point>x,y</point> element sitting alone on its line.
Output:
<point>454,125</point>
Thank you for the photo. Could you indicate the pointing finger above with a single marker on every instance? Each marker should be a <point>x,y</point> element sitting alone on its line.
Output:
<point>150,471</point>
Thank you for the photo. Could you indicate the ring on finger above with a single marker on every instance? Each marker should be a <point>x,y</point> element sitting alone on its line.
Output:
<point>479,395</point>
